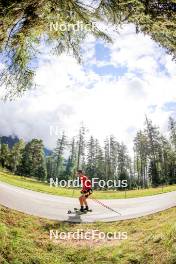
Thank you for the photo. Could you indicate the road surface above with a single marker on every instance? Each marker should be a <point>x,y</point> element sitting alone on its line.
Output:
<point>56,207</point>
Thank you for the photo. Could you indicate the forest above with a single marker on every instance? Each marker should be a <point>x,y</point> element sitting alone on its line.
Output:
<point>152,163</point>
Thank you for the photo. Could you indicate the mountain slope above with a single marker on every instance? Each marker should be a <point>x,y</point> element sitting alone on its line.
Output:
<point>12,140</point>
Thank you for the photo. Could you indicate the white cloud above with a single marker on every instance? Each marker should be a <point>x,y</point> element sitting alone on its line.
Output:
<point>69,93</point>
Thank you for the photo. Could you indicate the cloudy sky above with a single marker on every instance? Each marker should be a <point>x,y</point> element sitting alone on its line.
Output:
<point>110,93</point>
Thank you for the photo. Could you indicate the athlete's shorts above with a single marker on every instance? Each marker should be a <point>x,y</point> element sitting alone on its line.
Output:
<point>87,192</point>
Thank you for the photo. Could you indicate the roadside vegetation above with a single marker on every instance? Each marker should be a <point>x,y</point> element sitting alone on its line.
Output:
<point>33,184</point>
<point>25,239</point>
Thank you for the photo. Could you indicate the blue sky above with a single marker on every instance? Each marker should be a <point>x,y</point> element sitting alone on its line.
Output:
<point>102,52</point>
<point>111,92</point>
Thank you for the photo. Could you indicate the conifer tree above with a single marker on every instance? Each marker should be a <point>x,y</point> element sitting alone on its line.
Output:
<point>91,157</point>
<point>72,160</point>
<point>16,155</point>
<point>81,147</point>
<point>58,156</point>
<point>154,147</point>
<point>4,155</point>
<point>33,160</point>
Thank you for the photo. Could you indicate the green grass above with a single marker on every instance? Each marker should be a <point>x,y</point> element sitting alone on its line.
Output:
<point>32,184</point>
<point>25,239</point>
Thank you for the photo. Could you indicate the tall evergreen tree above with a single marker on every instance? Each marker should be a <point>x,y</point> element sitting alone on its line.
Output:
<point>172,131</point>
<point>33,160</point>
<point>59,155</point>
<point>123,163</point>
<point>141,147</point>
<point>4,155</point>
<point>91,157</point>
<point>16,155</point>
<point>72,160</point>
<point>100,161</point>
<point>81,146</point>
<point>50,167</point>
<point>154,147</point>
<point>114,150</point>
<point>167,162</point>
<point>107,159</point>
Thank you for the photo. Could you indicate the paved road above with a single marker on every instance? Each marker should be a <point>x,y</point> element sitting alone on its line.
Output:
<point>56,207</point>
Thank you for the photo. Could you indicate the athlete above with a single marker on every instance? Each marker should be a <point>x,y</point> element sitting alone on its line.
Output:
<point>86,190</point>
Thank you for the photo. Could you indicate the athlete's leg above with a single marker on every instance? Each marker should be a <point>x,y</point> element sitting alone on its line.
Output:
<point>81,198</point>
<point>85,201</point>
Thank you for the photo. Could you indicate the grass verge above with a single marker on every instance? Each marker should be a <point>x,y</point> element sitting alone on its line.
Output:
<point>34,185</point>
<point>25,239</point>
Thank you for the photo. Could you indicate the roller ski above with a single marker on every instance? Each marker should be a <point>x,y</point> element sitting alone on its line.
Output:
<point>79,211</point>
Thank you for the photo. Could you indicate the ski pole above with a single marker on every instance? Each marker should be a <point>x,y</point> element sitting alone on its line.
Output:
<point>104,205</point>
<point>73,192</point>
